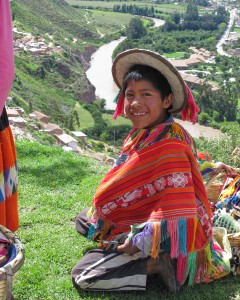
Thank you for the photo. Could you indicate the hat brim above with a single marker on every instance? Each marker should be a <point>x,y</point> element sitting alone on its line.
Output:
<point>125,60</point>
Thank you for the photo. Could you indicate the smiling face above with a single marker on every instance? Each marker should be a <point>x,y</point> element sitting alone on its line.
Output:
<point>144,105</point>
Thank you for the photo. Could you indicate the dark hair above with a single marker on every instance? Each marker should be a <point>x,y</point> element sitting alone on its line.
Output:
<point>143,72</point>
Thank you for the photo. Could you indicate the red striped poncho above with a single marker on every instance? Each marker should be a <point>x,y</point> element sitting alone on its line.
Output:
<point>156,188</point>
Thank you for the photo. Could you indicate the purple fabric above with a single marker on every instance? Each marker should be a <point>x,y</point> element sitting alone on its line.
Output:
<point>147,231</point>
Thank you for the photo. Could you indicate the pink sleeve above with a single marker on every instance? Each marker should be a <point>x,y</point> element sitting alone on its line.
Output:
<point>6,52</point>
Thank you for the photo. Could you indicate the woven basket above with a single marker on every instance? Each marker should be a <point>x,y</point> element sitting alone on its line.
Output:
<point>8,272</point>
<point>214,186</point>
<point>234,239</point>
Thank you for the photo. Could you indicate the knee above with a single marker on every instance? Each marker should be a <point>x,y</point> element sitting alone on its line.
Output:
<point>78,279</point>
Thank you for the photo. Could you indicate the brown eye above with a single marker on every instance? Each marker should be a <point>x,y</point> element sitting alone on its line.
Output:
<point>128,95</point>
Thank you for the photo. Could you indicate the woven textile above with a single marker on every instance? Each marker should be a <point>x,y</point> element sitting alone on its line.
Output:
<point>156,182</point>
<point>8,176</point>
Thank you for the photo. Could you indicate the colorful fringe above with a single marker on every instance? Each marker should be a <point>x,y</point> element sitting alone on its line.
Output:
<point>202,265</point>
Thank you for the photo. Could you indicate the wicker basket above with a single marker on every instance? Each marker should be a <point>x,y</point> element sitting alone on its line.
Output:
<point>8,272</point>
<point>214,186</point>
<point>234,239</point>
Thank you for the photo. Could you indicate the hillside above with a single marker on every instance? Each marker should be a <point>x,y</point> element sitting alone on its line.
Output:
<point>53,82</point>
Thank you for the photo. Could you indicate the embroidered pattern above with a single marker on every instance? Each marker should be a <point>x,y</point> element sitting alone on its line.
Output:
<point>148,190</point>
<point>178,180</point>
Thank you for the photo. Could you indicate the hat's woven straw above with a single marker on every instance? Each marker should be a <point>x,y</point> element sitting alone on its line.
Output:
<point>127,59</point>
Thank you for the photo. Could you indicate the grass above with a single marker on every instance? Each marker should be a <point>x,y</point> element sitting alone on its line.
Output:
<point>167,8</point>
<point>176,55</point>
<point>85,117</point>
<point>52,190</point>
<point>119,121</point>
<point>237,30</point>
<point>54,186</point>
<point>107,21</point>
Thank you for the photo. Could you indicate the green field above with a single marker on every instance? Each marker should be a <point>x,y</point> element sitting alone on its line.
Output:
<point>176,55</point>
<point>85,117</point>
<point>167,8</point>
<point>107,22</point>
<point>119,121</point>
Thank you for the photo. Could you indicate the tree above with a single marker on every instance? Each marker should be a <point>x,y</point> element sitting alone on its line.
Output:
<point>191,13</point>
<point>135,29</point>
<point>176,17</point>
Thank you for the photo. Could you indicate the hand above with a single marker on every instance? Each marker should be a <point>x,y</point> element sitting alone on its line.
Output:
<point>128,248</point>
<point>220,166</point>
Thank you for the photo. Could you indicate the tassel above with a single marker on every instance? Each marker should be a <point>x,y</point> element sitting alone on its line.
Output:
<point>181,268</point>
<point>172,227</point>
<point>201,266</point>
<point>191,267</point>
<point>156,239</point>
<point>91,231</point>
<point>191,233</point>
<point>165,240</point>
<point>119,110</point>
<point>90,212</point>
<point>182,236</point>
<point>190,112</point>
<point>117,96</point>
<point>208,252</point>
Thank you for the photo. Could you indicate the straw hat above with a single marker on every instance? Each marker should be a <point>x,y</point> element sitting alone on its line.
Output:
<point>127,59</point>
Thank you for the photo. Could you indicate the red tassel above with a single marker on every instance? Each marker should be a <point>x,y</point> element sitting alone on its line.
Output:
<point>190,112</point>
<point>182,268</point>
<point>119,110</point>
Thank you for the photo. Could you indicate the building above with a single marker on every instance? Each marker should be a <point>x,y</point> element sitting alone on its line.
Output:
<point>50,128</point>
<point>11,112</point>
<point>39,116</point>
<point>192,81</point>
<point>17,121</point>
<point>67,140</point>
<point>179,64</point>
<point>80,135</point>
<point>18,109</point>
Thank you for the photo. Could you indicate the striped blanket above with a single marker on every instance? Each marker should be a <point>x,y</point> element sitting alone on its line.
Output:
<point>156,188</point>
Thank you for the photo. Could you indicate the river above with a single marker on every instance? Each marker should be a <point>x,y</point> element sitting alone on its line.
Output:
<point>100,75</point>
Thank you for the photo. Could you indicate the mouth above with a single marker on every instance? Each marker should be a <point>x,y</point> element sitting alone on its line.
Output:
<point>139,114</point>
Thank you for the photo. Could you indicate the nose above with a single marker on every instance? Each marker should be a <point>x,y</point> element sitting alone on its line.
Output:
<point>136,101</point>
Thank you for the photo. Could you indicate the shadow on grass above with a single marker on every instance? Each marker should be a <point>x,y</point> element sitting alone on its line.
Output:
<point>52,167</point>
<point>227,288</point>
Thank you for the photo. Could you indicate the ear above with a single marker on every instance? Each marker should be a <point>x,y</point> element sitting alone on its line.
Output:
<point>167,102</point>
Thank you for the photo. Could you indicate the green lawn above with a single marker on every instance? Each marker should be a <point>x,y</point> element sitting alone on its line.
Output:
<point>176,55</point>
<point>107,22</point>
<point>85,117</point>
<point>118,121</point>
<point>53,187</point>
